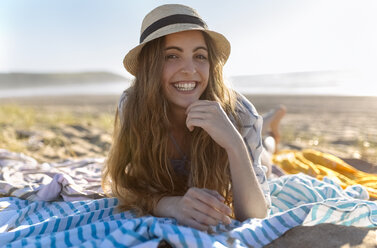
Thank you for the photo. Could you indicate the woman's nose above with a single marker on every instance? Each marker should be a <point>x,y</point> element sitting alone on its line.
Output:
<point>188,66</point>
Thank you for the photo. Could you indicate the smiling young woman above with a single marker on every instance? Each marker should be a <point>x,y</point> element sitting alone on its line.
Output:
<point>185,145</point>
<point>186,69</point>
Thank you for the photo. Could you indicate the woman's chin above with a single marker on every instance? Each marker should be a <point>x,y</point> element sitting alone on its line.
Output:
<point>183,104</point>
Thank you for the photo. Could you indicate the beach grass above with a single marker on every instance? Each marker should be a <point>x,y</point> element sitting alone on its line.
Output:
<point>49,135</point>
<point>27,117</point>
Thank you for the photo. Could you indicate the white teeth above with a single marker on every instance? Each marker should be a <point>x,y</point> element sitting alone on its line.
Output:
<point>187,86</point>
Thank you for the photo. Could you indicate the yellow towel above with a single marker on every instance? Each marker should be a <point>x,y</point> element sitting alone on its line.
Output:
<point>319,165</point>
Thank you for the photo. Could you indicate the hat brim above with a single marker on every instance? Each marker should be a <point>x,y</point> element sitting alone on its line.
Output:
<point>222,45</point>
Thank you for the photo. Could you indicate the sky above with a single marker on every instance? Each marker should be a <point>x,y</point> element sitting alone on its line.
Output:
<point>267,36</point>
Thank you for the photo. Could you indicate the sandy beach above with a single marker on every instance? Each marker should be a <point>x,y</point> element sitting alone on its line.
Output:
<point>52,129</point>
<point>343,126</point>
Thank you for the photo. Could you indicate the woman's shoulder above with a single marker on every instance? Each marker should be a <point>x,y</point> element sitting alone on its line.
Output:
<point>122,102</point>
<point>245,108</point>
<point>123,98</point>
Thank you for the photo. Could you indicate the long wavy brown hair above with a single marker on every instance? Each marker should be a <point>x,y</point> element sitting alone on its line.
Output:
<point>138,170</point>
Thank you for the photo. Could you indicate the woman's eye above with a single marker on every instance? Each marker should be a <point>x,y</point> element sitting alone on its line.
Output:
<point>171,56</point>
<point>201,57</point>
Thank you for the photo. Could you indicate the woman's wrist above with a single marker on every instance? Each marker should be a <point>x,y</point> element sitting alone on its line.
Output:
<point>235,145</point>
<point>166,207</point>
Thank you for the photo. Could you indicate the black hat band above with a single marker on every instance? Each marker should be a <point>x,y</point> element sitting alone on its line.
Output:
<point>169,20</point>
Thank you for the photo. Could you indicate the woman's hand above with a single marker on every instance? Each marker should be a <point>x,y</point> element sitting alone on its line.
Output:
<point>201,208</point>
<point>210,116</point>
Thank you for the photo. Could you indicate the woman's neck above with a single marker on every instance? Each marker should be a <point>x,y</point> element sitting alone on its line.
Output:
<point>180,133</point>
<point>178,119</point>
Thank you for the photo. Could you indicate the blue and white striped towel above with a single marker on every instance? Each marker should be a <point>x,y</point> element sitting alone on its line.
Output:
<point>296,200</point>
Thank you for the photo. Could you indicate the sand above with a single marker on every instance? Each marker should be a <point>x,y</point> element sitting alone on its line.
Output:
<point>326,236</point>
<point>343,126</point>
<point>55,128</point>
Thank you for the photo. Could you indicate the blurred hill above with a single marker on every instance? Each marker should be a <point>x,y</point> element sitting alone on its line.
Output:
<point>22,80</point>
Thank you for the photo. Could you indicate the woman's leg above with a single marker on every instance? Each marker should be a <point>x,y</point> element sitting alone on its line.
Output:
<point>271,134</point>
<point>271,124</point>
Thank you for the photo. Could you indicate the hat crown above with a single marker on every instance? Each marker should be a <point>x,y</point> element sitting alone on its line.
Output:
<point>168,19</point>
<point>165,11</point>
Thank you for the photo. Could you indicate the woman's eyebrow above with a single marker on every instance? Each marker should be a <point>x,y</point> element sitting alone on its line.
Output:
<point>200,47</point>
<point>181,50</point>
<point>174,47</point>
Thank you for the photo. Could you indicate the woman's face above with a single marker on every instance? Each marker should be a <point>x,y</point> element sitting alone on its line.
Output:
<point>186,68</point>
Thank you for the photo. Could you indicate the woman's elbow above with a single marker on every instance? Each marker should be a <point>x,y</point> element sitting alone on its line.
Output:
<point>259,213</point>
<point>262,213</point>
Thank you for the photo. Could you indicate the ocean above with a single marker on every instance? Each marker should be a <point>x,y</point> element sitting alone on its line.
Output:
<point>300,83</point>
<point>308,83</point>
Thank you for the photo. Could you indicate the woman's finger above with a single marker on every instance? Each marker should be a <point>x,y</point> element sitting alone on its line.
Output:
<point>199,103</point>
<point>211,201</point>
<point>210,116</point>
<point>213,211</point>
<point>215,194</point>
<point>213,215</point>
<point>198,115</point>
<point>195,224</point>
<point>206,219</point>
<point>195,122</point>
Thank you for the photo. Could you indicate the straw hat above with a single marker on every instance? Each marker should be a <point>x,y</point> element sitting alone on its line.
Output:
<point>168,19</point>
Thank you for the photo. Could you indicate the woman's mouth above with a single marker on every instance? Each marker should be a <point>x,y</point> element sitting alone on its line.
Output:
<point>185,86</point>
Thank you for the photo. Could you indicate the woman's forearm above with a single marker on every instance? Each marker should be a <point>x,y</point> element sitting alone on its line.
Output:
<point>248,198</point>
